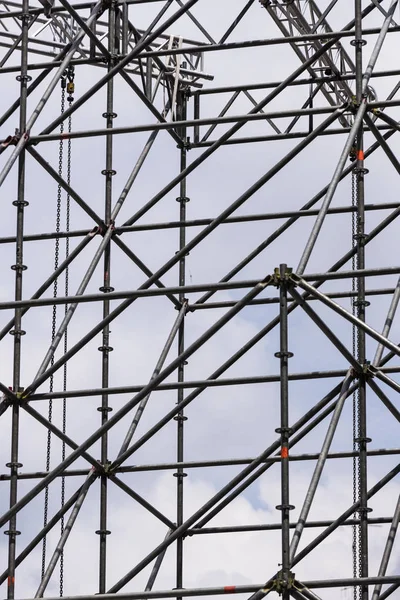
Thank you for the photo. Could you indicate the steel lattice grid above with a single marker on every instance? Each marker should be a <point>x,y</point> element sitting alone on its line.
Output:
<point>227,423</point>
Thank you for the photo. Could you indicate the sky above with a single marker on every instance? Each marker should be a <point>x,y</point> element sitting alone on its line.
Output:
<point>223,422</point>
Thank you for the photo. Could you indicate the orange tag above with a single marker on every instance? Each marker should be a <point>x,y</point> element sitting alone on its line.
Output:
<point>284,452</point>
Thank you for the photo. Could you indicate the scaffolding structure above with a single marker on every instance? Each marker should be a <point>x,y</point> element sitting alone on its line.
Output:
<point>199,325</point>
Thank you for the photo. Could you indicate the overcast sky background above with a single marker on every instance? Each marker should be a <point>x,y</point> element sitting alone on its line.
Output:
<point>222,422</point>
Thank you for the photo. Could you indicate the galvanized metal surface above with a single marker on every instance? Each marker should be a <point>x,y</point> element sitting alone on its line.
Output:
<point>237,120</point>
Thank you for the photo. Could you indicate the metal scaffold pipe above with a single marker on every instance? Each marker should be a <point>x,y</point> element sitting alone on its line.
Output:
<point>199,347</point>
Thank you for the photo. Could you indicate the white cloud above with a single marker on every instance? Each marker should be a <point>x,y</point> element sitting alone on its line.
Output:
<point>223,422</point>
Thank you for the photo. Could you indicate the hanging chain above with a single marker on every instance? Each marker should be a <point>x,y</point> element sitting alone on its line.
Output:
<point>67,85</point>
<point>70,90</point>
<point>53,324</point>
<point>356,396</point>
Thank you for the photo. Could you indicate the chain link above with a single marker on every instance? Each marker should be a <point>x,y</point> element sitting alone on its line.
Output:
<point>65,368</point>
<point>64,87</point>
<point>66,293</point>
<point>53,326</point>
<point>356,396</point>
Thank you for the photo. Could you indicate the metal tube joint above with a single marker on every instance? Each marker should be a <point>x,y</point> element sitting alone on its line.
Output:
<point>281,276</point>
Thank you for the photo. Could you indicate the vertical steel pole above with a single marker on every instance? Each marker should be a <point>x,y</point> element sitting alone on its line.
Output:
<point>105,348</point>
<point>17,332</point>
<point>284,429</point>
<point>181,112</point>
<point>361,93</point>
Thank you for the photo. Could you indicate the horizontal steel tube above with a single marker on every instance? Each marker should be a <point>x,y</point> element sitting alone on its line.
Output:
<point>263,301</point>
<point>350,274</point>
<point>240,589</point>
<point>278,526</point>
<point>278,137</point>
<point>188,123</point>
<point>299,82</point>
<point>99,61</point>
<point>59,9</point>
<point>190,289</point>
<point>202,222</point>
<point>51,64</point>
<point>307,376</point>
<point>331,35</point>
<point>205,464</point>
<point>282,114</point>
